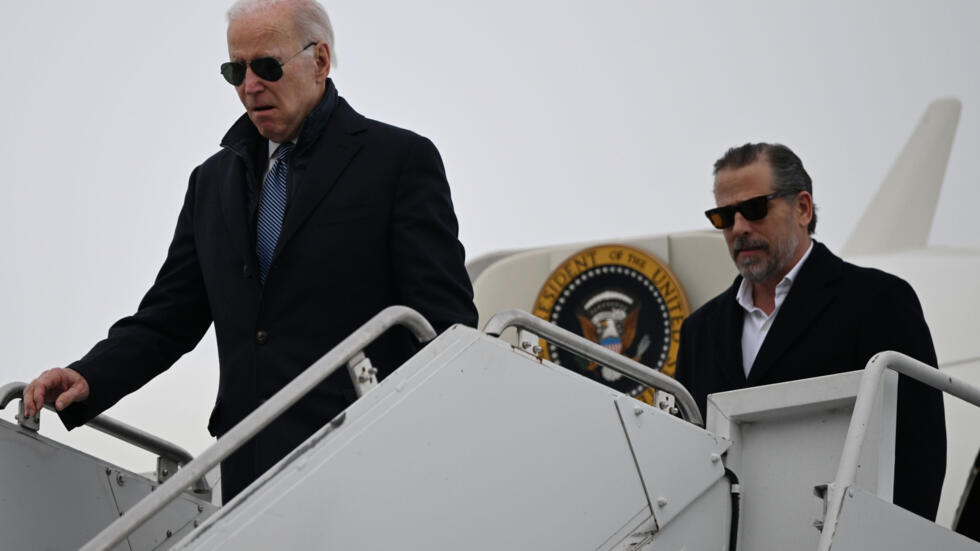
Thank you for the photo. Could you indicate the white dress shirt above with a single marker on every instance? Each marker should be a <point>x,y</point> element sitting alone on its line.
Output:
<point>757,323</point>
<point>273,146</point>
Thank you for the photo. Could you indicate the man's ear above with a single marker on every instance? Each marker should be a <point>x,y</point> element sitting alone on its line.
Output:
<point>321,56</point>
<point>804,208</point>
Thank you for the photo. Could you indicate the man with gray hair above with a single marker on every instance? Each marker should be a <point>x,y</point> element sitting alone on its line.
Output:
<point>310,220</point>
<point>796,311</point>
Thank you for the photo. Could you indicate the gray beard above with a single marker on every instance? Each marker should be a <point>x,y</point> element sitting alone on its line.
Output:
<point>778,259</point>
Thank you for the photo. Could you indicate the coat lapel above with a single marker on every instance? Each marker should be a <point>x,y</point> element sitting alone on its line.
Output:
<point>233,190</point>
<point>333,151</point>
<point>813,290</point>
<point>729,354</point>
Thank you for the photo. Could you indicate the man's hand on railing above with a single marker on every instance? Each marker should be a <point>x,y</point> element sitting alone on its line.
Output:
<point>60,385</point>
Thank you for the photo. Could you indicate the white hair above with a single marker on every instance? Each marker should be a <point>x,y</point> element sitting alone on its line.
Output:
<point>310,18</point>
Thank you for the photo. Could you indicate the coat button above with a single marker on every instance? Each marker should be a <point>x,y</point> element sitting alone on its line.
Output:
<point>246,271</point>
<point>261,337</point>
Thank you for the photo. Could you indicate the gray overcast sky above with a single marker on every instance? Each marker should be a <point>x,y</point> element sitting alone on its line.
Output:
<point>559,121</point>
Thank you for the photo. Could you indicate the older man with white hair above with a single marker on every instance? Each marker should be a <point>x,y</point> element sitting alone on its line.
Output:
<point>309,220</point>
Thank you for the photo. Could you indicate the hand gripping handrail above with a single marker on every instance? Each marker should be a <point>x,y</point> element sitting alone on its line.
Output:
<point>598,354</point>
<point>127,433</point>
<point>260,418</point>
<point>861,416</point>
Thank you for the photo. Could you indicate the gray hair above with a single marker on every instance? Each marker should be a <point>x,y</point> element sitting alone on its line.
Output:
<point>311,20</point>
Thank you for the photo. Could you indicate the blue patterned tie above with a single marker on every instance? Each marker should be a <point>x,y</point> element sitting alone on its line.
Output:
<point>272,207</point>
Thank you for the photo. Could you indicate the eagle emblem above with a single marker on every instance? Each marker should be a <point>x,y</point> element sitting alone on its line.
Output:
<point>610,318</point>
<point>619,297</point>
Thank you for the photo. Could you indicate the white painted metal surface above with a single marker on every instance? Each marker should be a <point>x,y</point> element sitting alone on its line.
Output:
<point>882,366</point>
<point>248,427</point>
<point>786,439</point>
<point>584,348</point>
<point>55,497</point>
<point>868,523</point>
<point>474,444</point>
<point>363,375</point>
<point>677,464</point>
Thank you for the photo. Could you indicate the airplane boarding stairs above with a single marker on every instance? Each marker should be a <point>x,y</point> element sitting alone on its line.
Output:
<point>55,497</point>
<point>475,443</point>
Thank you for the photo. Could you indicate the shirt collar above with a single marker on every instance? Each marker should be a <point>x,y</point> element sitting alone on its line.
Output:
<point>273,146</point>
<point>744,296</point>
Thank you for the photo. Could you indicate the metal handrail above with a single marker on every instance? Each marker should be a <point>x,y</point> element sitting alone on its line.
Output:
<point>598,354</point>
<point>122,431</point>
<point>261,417</point>
<point>10,392</point>
<point>861,417</point>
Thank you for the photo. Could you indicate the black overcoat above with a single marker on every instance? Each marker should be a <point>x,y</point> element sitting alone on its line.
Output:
<point>370,223</point>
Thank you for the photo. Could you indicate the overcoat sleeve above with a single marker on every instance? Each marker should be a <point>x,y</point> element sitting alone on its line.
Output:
<point>171,319</point>
<point>427,257</point>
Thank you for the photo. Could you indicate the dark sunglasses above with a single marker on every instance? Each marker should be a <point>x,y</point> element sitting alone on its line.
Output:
<point>752,209</point>
<point>266,68</point>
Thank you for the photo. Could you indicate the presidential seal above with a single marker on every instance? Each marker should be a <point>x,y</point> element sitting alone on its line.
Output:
<point>623,298</point>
